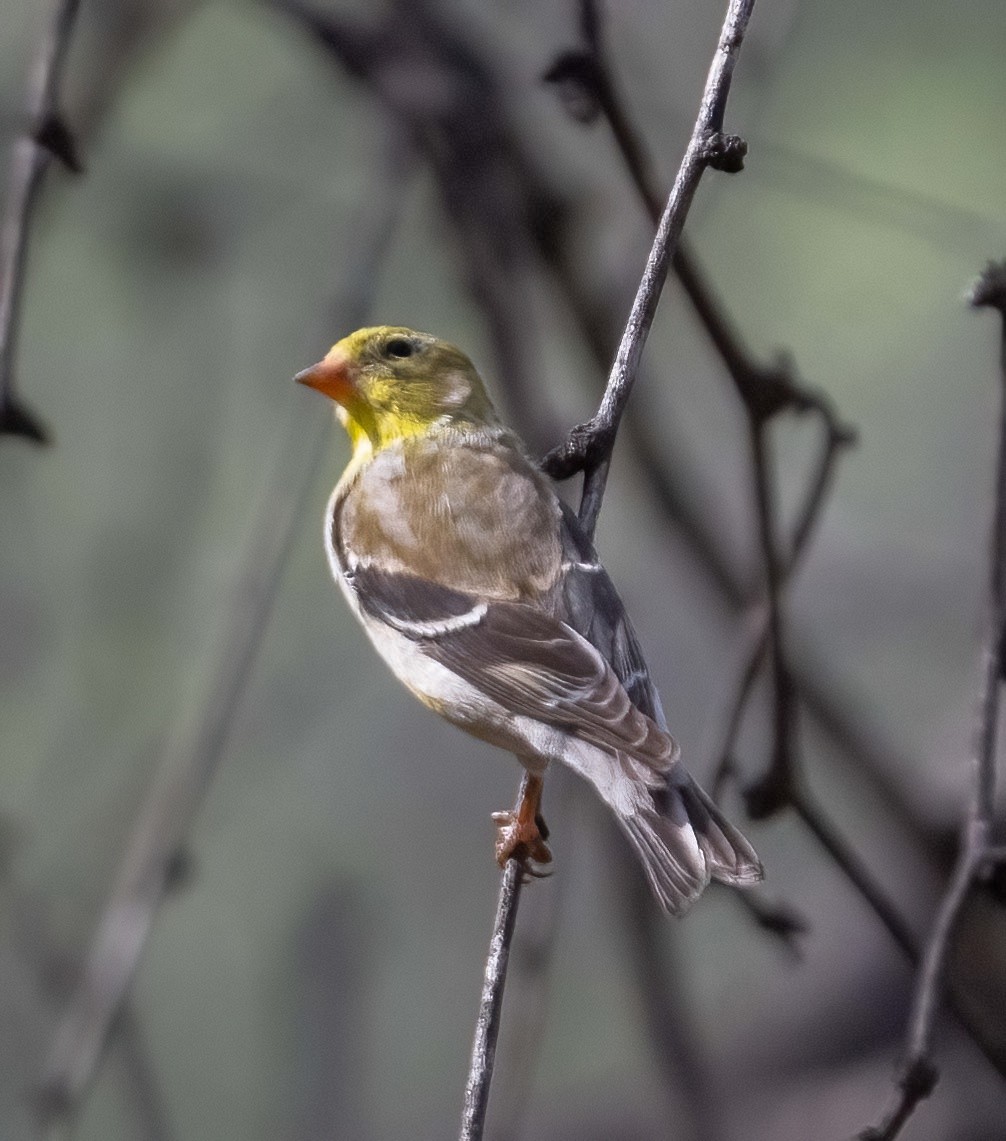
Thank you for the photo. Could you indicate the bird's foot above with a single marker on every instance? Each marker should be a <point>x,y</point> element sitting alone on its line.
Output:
<point>522,840</point>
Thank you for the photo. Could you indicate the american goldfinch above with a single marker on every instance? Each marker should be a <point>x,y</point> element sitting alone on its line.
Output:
<point>479,589</point>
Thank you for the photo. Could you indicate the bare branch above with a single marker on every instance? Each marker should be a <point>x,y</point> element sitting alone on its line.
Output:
<point>774,790</point>
<point>918,1073</point>
<point>46,137</point>
<point>855,871</point>
<point>764,391</point>
<point>487,1024</point>
<point>589,446</point>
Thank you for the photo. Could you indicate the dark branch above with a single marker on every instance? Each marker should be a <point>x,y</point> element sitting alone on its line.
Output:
<point>918,1073</point>
<point>816,693</point>
<point>46,136</point>
<point>777,918</point>
<point>855,871</point>
<point>774,791</point>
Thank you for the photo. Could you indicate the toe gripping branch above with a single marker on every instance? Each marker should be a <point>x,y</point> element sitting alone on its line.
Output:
<point>521,833</point>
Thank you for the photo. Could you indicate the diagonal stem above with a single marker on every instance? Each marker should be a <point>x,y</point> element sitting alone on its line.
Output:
<point>487,1023</point>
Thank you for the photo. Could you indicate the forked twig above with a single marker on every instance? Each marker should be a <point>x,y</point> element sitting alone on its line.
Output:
<point>918,1073</point>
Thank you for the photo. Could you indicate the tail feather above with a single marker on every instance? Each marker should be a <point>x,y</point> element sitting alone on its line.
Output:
<point>730,856</point>
<point>683,841</point>
<point>680,836</point>
<point>675,877</point>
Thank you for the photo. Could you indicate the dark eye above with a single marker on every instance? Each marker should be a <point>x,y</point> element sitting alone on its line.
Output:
<point>399,347</point>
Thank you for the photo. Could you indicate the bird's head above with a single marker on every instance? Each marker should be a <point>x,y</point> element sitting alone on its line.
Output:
<point>391,382</point>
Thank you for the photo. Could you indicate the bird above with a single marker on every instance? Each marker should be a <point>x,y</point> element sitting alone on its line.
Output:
<point>479,588</point>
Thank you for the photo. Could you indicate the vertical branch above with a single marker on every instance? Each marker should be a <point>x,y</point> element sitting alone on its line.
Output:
<point>46,137</point>
<point>777,789</point>
<point>919,1074</point>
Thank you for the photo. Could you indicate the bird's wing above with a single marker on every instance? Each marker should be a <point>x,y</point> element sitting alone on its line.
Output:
<point>520,656</point>
<point>591,606</point>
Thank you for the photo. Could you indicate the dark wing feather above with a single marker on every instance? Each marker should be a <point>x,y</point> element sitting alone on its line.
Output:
<point>590,604</point>
<point>415,606</point>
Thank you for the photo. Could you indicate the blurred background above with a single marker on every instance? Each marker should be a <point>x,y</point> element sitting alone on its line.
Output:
<point>187,703</point>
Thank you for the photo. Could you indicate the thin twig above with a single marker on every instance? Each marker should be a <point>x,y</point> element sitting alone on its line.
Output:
<point>835,436</point>
<point>764,390</point>
<point>918,1073</point>
<point>532,952</point>
<point>596,320</point>
<point>818,692</point>
<point>588,447</point>
<point>46,137</point>
<point>487,1024</point>
<point>192,757</point>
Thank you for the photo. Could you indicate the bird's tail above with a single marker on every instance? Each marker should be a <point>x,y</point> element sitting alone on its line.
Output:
<point>683,841</point>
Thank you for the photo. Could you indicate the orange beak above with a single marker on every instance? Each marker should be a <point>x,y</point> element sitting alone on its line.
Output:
<point>333,376</point>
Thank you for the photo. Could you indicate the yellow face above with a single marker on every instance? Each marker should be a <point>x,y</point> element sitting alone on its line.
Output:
<point>392,382</point>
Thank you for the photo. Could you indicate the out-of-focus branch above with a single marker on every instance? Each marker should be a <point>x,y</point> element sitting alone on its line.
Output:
<point>918,1073</point>
<point>764,393</point>
<point>820,693</point>
<point>193,755</point>
<point>588,447</point>
<point>46,137</point>
<point>776,789</point>
<point>854,869</point>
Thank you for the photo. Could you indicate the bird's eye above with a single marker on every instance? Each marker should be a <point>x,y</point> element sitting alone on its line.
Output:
<point>399,347</point>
